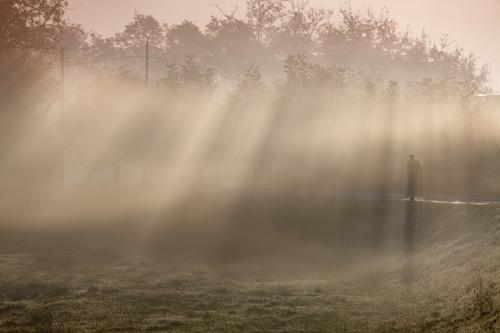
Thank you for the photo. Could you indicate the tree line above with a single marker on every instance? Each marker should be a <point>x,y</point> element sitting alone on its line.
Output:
<point>283,68</point>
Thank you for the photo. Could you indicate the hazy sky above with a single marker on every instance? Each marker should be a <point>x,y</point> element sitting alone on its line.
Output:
<point>475,24</point>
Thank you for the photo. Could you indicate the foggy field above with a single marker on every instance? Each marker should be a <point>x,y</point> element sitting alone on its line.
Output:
<point>280,167</point>
<point>87,282</point>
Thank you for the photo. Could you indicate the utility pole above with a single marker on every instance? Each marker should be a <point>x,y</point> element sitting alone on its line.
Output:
<point>62,80</point>
<point>62,129</point>
<point>146,75</point>
<point>145,160</point>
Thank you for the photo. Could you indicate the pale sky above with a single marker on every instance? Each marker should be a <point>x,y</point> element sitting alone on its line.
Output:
<point>474,24</point>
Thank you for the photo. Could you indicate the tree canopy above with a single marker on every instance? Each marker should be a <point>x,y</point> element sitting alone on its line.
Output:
<point>271,30</point>
<point>30,24</point>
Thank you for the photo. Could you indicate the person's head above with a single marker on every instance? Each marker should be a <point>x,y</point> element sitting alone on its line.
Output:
<point>412,156</point>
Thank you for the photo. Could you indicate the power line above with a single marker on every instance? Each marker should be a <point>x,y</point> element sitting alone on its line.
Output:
<point>95,61</point>
<point>102,60</point>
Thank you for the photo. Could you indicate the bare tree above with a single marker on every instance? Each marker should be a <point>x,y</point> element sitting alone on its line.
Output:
<point>263,16</point>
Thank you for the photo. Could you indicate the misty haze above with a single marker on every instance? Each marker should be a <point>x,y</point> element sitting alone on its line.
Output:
<point>284,166</point>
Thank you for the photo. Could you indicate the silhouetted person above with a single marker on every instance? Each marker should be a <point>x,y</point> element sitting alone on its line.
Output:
<point>412,190</point>
<point>414,182</point>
